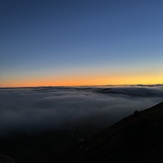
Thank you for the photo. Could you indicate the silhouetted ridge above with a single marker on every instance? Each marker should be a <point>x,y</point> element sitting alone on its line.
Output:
<point>159,106</point>
<point>136,138</point>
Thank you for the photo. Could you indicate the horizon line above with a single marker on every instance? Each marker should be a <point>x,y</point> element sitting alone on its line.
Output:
<point>158,84</point>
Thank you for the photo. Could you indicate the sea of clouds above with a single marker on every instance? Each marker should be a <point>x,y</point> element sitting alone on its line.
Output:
<point>42,108</point>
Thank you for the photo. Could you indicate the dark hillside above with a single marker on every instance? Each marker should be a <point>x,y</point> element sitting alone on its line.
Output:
<point>137,138</point>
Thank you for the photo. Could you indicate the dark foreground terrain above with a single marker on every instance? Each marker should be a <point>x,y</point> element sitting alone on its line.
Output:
<point>136,138</point>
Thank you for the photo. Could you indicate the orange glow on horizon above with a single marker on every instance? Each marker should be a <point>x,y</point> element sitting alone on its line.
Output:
<point>85,80</point>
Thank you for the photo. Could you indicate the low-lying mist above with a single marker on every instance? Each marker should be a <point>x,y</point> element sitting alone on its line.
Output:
<point>44,108</point>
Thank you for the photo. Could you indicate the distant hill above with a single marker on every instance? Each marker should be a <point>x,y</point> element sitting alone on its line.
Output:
<point>135,139</point>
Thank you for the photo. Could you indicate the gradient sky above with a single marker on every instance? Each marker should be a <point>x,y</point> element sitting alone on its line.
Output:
<point>80,42</point>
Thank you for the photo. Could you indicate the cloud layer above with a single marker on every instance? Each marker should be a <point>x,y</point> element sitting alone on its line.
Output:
<point>67,108</point>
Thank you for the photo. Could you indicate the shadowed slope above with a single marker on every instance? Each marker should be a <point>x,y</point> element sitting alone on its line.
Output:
<point>136,138</point>
<point>6,159</point>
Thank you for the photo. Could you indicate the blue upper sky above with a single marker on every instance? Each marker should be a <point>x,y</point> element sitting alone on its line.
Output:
<point>66,38</point>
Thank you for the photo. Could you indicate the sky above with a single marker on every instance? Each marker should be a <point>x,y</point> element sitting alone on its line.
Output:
<point>80,42</point>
